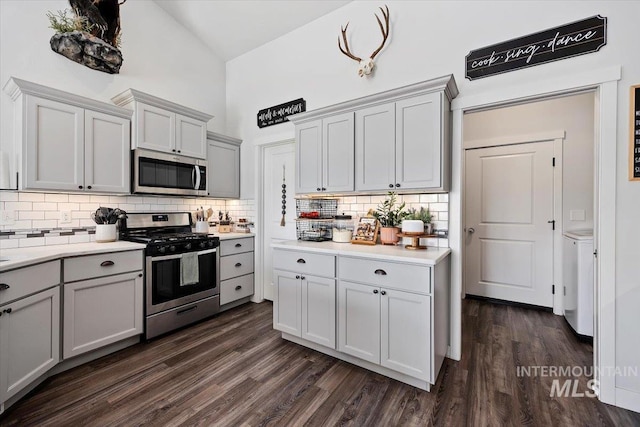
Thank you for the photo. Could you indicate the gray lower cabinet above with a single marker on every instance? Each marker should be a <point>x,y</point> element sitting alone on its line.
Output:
<point>103,300</point>
<point>223,172</point>
<point>236,271</point>
<point>29,326</point>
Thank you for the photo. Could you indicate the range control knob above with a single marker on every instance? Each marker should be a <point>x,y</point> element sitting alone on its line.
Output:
<point>210,243</point>
<point>162,249</point>
<point>187,246</point>
<point>172,248</point>
<point>203,244</point>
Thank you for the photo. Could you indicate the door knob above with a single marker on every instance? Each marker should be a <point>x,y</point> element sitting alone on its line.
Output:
<point>471,230</point>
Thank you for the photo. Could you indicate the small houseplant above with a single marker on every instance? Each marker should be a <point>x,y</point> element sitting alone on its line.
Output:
<point>390,214</point>
<point>423,215</point>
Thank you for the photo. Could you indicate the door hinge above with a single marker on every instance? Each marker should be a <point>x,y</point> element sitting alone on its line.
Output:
<point>553,224</point>
<point>553,162</point>
<point>595,253</point>
<point>553,289</point>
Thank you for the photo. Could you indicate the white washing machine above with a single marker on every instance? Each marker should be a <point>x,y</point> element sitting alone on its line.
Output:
<point>577,275</point>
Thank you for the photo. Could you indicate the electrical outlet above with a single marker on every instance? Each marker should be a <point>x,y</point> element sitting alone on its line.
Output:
<point>8,217</point>
<point>65,217</point>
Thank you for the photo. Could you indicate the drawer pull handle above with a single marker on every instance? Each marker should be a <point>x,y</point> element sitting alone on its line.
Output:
<point>107,263</point>
<point>238,287</point>
<point>301,261</point>
<point>187,310</point>
<point>375,291</point>
<point>383,292</point>
<point>4,286</point>
<point>238,264</point>
<point>302,277</point>
<point>8,310</point>
<point>238,245</point>
<point>297,276</point>
<point>380,272</point>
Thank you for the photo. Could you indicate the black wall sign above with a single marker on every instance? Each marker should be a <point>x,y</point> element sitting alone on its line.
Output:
<point>634,164</point>
<point>278,114</point>
<point>577,38</point>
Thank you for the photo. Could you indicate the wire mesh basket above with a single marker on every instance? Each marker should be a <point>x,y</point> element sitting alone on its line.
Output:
<point>314,230</point>
<point>316,208</point>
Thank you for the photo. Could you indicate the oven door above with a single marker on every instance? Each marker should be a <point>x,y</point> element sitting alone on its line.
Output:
<point>163,289</point>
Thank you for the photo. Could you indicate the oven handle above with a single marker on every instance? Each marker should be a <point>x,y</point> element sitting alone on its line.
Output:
<point>166,257</point>
<point>197,177</point>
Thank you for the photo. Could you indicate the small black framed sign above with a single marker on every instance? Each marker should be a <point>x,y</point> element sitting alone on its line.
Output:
<point>554,44</point>
<point>634,134</point>
<point>279,113</point>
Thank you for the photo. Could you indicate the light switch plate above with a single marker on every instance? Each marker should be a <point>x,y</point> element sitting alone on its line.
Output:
<point>577,215</point>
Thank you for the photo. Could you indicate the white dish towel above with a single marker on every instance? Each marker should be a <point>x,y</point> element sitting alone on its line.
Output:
<point>189,271</point>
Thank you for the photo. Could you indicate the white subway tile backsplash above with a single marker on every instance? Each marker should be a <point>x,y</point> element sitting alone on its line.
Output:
<point>57,198</point>
<point>68,206</point>
<point>411,198</point>
<point>56,240</point>
<point>19,225</point>
<point>79,198</point>
<point>9,243</point>
<point>8,196</point>
<point>18,206</point>
<point>34,241</point>
<point>79,238</point>
<point>45,206</point>
<point>31,197</point>
<point>51,215</point>
<point>142,208</point>
<point>439,207</point>
<point>100,199</point>
<point>444,198</point>
<point>30,215</point>
<point>44,223</point>
<point>363,199</point>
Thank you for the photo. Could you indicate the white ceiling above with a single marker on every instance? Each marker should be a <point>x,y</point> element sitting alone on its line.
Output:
<point>233,27</point>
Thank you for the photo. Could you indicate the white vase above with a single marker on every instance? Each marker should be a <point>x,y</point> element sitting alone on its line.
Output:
<point>105,233</point>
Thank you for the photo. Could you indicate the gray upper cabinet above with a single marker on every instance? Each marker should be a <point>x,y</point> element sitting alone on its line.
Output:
<point>165,126</point>
<point>401,141</point>
<point>223,171</point>
<point>69,143</point>
<point>325,153</point>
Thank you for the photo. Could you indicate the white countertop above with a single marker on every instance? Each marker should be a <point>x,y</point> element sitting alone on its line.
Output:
<point>429,256</point>
<point>21,257</point>
<point>227,236</point>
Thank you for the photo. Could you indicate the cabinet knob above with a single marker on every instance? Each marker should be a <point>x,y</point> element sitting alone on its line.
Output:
<point>318,189</point>
<point>173,149</point>
<point>383,292</point>
<point>89,187</point>
<point>324,189</point>
<point>4,286</point>
<point>380,272</point>
<point>238,264</point>
<point>140,275</point>
<point>390,185</point>
<point>238,245</point>
<point>397,185</point>
<point>297,276</point>
<point>179,151</point>
<point>302,277</point>
<point>238,287</point>
<point>80,187</point>
<point>107,263</point>
<point>301,261</point>
<point>375,291</point>
<point>8,310</point>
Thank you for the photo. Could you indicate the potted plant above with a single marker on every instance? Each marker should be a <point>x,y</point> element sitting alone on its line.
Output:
<point>390,214</point>
<point>418,221</point>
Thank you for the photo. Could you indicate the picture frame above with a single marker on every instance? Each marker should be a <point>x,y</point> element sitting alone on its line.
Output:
<point>634,133</point>
<point>366,232</point>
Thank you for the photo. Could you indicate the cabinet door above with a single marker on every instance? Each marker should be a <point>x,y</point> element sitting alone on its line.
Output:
<point>406,333</point>
<point>309,153</point>
<point>223,172</point>
<point>101,311</point>
<point>359,320</point>
<point>191,137</point>
<point>286,302</point>
<point>107,147</point>
<point>155,128</point>
<point>54,155</point>
<point>419,142</point>
<point>338,153</point>
<point>375,148</point>
<point>29,340</point>
<point>319,310</point>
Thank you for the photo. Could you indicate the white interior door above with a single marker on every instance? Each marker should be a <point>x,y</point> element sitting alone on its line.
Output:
<point>275,158</point>
<point>509,240</point>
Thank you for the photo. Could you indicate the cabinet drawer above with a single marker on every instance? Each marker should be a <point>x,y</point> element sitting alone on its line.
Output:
<point>407,277</point>
<point>234,289</point>
<point>91,266</point>
<point>236,246</point>
<point>236,265</point>
<point>301,262</point>
<point>29,280</point>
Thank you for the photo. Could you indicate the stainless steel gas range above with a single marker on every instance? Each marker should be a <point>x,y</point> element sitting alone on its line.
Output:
<point>182,270</point>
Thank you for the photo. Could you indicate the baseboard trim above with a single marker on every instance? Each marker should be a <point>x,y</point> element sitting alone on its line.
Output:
<point>511,303</point>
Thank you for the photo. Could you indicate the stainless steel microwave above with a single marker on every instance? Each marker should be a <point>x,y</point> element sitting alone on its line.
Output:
<point>161,173</point>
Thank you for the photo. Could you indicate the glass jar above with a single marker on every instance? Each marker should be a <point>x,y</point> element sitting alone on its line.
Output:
<point>342,229</point>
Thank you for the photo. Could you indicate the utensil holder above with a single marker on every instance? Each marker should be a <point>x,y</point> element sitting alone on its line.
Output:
<point>202,227</point>
<point>105,233</point>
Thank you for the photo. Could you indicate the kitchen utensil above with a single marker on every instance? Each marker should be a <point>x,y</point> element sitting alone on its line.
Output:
<point>209,213</point>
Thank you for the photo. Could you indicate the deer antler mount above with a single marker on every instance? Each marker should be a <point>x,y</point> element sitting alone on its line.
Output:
<point>366,66</point>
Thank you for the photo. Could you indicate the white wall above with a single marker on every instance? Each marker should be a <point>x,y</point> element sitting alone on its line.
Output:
<point>160,58</point>
<point>572,114</point>
<point>428,40</point>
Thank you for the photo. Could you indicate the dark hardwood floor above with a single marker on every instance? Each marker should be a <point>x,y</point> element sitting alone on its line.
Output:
<point>235,370</point>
